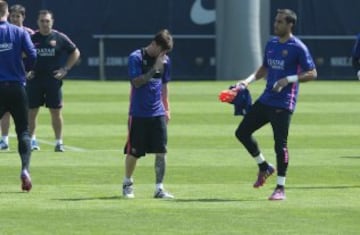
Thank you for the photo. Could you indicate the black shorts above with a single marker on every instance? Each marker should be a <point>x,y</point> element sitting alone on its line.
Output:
<point>13,99</point>
<point>44,90</point>
<point>146,135</point>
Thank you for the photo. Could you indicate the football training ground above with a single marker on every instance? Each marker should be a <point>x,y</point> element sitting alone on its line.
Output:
<point>209,172</point>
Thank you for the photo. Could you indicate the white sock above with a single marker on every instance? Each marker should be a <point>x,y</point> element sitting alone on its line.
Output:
<point>5,139</point>
<point>33,137</point>
<point>128,180</point>
<point>59,141</point>
<point>281,180</point>
<point>159,186</point>
<point>260,158</point>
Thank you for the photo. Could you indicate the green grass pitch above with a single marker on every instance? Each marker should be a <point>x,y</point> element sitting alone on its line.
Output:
<point>209,172</point>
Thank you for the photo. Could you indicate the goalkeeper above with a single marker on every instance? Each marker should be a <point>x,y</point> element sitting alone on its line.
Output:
<point>284,55</point>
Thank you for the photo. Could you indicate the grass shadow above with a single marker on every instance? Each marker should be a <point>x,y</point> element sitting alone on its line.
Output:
<point>214,200</point>
<point>350,157</point>
<point>88,198</point>
<point>324,187</point>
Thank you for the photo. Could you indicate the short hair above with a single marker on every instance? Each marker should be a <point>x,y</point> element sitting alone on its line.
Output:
<point>17,8</point>
<point>290,15</point>
<point>164,39</point>
<point>3,8</point>
<point>45,12</point>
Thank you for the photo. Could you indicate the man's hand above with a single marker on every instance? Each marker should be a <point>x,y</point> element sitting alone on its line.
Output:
<point>280,84</point>
<point>30,75</point>
<point>159,65</point>
<point>60,73</point>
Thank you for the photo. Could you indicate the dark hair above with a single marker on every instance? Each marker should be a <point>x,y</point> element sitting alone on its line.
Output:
<point>290,15</point>
<point>45,12</point>
<point>17,8</point>
<point>3,8</point>
<point>164,39</point>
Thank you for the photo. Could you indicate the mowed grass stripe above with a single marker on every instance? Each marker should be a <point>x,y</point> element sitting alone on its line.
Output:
<point>209,171</point>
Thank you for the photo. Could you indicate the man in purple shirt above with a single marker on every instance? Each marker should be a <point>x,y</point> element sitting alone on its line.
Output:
<point>286,62</point>
<point>15,41</point>
<point>149,72</point>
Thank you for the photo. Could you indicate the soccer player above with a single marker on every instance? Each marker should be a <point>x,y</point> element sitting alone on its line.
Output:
<point>15,41</point>
<point>356,56</point>
<point>149,71</point>
<point>45,82</point>
<point>287,61</point>
<point>16,17</point>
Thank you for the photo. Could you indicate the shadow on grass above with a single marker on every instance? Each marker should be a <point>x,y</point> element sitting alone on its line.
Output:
<point>14,192</point>
<point>351,157</point>
<point>214,200</point>
<point>88,198</point>
<point>324,187</point>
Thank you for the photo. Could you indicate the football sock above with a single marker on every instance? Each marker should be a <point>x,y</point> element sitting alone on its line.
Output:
<point>5,139</point>
<point>127,180</point>
<point>280,181</point>
<point>159,186</point>
<point>59,141</point>
<point>259,159</point>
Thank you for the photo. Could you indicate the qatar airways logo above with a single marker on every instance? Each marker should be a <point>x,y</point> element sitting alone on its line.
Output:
<point>5,47</point>
<point>276,64</point>
<point>45,51</point>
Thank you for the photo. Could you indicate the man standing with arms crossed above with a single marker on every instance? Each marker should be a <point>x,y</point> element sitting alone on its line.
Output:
<point>16,17</point>
<point>44,85</point>
<point>149,71</point>
<point>15,41</point>
<point>286,62</point>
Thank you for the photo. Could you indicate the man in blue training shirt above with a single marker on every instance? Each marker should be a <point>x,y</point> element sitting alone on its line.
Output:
<point>16,17</point>
<point>149,72</point>
<point>356,56</point>
<point>286,62</point>
<point>14,41</point>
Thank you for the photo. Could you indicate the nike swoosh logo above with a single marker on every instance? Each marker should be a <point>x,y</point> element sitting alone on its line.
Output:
<point>200,15</point>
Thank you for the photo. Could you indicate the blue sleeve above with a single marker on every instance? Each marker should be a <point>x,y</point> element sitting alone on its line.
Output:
<point>264,63</point>
<point>29,49</point>
<point>134,66</point>
<point>167,71</point>
<point>306,60</point>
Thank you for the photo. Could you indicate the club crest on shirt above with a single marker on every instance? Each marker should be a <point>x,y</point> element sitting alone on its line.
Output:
<point>52,43</point>
<point>284,53</point>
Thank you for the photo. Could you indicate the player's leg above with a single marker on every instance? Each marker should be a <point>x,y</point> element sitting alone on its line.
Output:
<point>33,112</point>
<point>158,130</point>
<point>280,122</point>
<point>5,126</point>
<point>19,112</point>
<point>57,125</point>
<point>54,102</point>
<point>134,149</point>
<point>255,119</point>
<point>35,93</point>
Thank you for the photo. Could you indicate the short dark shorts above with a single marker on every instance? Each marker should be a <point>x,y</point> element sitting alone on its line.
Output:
<point>46,90</point>
<point>146,135</point>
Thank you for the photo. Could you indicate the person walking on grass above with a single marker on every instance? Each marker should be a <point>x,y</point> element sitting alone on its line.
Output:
<point>14,42</point>
<point>16,17</point>
<point>287,61</point>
